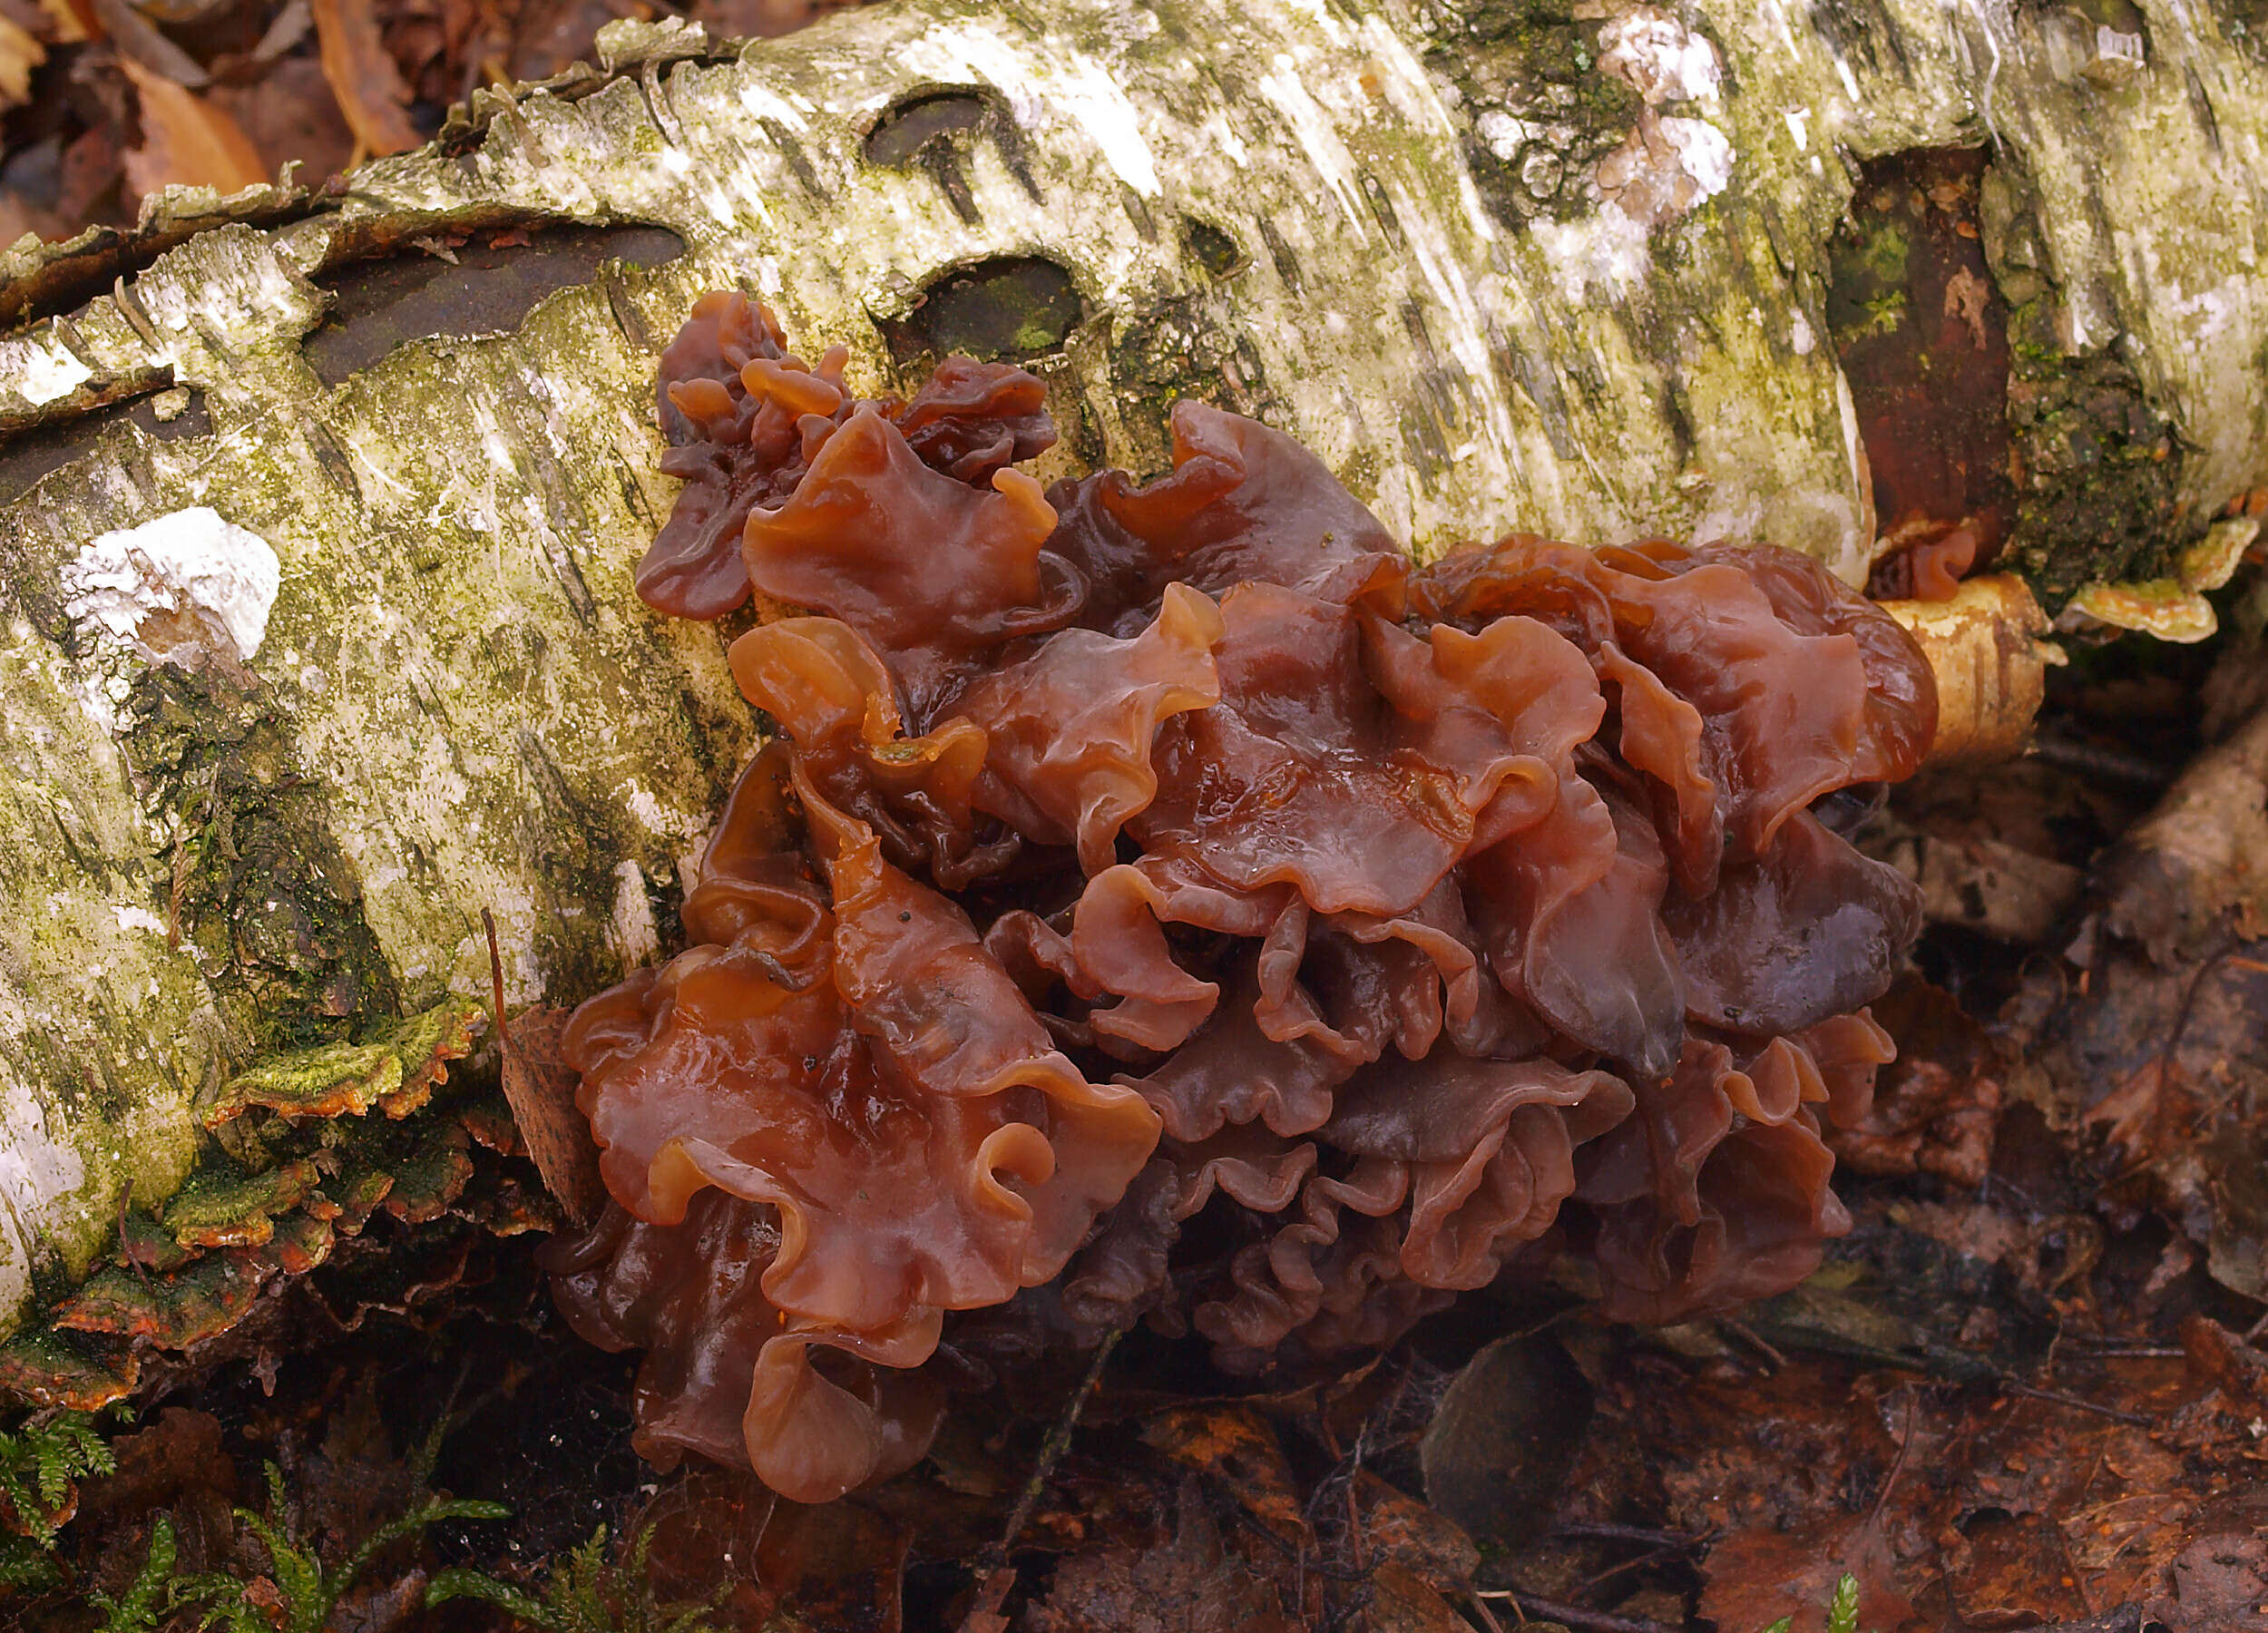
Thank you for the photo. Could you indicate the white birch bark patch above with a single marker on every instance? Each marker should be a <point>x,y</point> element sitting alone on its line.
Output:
<point>185,588</point>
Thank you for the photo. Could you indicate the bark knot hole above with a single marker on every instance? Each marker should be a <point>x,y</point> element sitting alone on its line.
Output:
<point>1008,308</point>
<point>936,131</point>
<point>927,118</point>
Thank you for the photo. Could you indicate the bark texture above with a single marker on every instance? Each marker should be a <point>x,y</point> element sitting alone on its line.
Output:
<point>318,634</point>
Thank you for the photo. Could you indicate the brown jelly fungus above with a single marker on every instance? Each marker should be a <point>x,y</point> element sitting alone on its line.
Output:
<point>1168,901</point>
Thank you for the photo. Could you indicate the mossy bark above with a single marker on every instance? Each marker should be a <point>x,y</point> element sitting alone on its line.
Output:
<point>1378,224</point>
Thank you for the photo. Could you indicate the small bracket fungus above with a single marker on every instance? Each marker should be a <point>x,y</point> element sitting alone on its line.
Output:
<point>2172,609</point>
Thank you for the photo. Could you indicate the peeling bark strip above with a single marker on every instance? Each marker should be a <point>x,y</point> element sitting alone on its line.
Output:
<point>1570,276</point>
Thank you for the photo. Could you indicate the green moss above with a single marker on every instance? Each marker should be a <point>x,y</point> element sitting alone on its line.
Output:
<point>1012,307</point>
<point>221,1208</point>
<point>258,885</point>
<point>1867,277</point>
<point>2097,466</point>
<point>394,1068</point>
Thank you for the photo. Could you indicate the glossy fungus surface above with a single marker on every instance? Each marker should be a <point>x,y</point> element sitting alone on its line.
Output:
<point>1168,901</point>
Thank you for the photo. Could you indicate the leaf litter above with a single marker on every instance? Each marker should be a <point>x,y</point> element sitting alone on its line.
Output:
<point>104,103</point>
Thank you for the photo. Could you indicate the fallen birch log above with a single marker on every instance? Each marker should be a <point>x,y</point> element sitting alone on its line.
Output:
<point>319,513</point>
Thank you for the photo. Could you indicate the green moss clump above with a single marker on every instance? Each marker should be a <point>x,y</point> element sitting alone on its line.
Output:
<point>259,885</point>
<point>2096,468</point>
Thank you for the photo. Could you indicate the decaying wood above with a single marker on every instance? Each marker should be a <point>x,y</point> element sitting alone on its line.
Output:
<point>319,636</point>
<point>1992,666</point>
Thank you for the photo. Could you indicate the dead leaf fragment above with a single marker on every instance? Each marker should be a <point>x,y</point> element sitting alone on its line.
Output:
<point>1757,1577</point>
<point>1497,1451</point>
<point>843,1565</point>
<point>1237,1448</point>
<point>2220,1582</point>
<point>1190,1585</point>
<point>364,76</point>
<point>65,24</point>
<point>1401,1602</point>
<point>1997,889</point>
<point>19,54</point>
<point>1398,1529</point>
<point>2237,1370</point>
<point>542,1089</point>
<point>139,44</point>
<point>181,1449</point>
<point>1937,1107</point>
<point>2014,1572</point>
<point>186,141</point>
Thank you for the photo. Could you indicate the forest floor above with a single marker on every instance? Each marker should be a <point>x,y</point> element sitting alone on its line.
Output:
<point>2023,1391</point>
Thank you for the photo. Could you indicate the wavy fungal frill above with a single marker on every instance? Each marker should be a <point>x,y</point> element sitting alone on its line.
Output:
<point>1166,900</point>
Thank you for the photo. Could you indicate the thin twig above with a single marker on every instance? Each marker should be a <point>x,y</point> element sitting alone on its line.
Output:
<point>496,977</point>
<point>2113,1349</point>
<point>2058,1397</point>
<point>1604,1532</point>
<point>992,1592</point>
<point>995,1576</point>
<point>1753,1340</point>
<point>1058,1441</point>
<point>1481,1609</point>
<point>2088,760</point>
<point>1354,1473</point>
<point>2071,1564</point>
<point>1572,1615</point>
<point>1636,1562</point>
<point>1905,1444</point>
<point>126,1201</point>
<point>2226,953</point>
<point>1320,1568</point>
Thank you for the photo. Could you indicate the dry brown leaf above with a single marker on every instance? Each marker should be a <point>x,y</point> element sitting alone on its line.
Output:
<point>542,1089</point>
<point>1402,1601</point>
<point>2014,1571</point>
<point>1755,1577</point>
<point>1191,1584</point>
<point>2237,1370</point>
<point>186,141</point>
<point>68,24</point>
<point>2219,1582</point>
<point>364,76</point>
<point>19,54</point>
<point>17,218</point>
<point>1239,1448</point>
<point>140,41</point>
<point>290,113</point>
<point>1396,1527</point>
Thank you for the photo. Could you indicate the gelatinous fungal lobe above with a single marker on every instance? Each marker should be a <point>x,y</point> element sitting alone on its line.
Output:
<point>1929,560</point>
<point>745,419</point>
<point>1164,902</point>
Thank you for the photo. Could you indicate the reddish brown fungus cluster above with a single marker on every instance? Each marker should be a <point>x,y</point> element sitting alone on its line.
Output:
<point>1927,560</point>
<point>1167,901</point>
